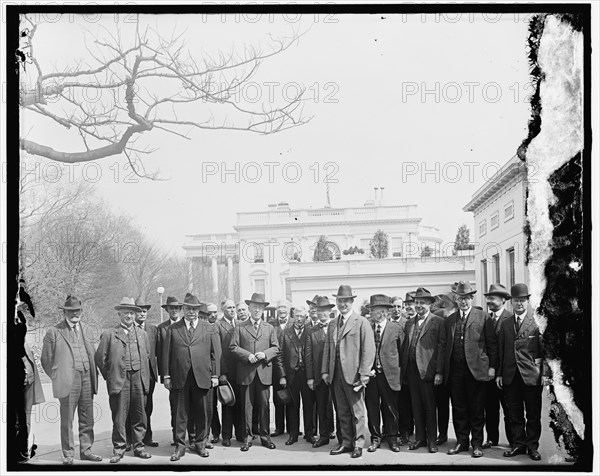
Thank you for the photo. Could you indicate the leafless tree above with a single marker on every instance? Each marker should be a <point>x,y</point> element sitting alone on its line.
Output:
<point>151,82</point>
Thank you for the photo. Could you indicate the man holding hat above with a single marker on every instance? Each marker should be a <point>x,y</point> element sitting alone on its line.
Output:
<point>68,359</point>
<point>191,358</point>
<point>314,362</point>
<point>173,308</point>
<point>255,345</point>
<point>381,395</point>
<point>471,362</point>
<point>348,358</point>
<point>123,357</point>
<point>423,367</point>
<point>231,414</point>
<point>522,373</point>
<point>281,322</point>
<point>494,397</point>
<point>208,313</point>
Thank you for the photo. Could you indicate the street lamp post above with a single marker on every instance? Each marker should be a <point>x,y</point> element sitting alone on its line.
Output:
<point>160,290</point>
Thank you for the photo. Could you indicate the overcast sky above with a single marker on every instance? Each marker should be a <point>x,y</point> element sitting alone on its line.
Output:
<point>391,95</point>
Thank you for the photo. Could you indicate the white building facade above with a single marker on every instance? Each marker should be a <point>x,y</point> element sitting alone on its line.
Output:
<point>499,216</point>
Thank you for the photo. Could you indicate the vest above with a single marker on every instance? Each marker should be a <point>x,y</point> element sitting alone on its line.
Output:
<point>377,363</point>
<point>80,356</point>
<point>132,352</point>
<point>458,346</point>
<point>412,350</point>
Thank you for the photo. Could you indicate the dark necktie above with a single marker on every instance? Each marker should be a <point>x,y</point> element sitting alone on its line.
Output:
<point>518,324</point>
<point>191,330</point>
<point>341,321</point>
<point>255,324</point>
<point>378,344</point>
<point>75,334</point>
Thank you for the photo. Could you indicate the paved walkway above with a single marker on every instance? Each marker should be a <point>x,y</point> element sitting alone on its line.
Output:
<point>46,428</point>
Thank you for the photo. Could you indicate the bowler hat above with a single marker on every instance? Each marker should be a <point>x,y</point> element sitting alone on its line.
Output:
<point>139,302</point>
<point>323,302</point>
<point>519,290</point>
<point>225,394</point>
<point>191,301</point>
<point>314,300</point>
<point>497,289</point>
<point>127,303</point>
<point>464,289</point>
<point>257,298</point>
<point>379,300</point>
<point>422,293</point>
<point>71,304</point>
<point>171,301</point>
<point>283,396</point>
<point>344,291</point>
<point>410,297</point>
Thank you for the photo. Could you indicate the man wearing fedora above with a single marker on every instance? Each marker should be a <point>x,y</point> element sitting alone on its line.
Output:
<point>208,313</point>
<point>123,357</point>
<point>192,360</point>
<point>312,312</point>
<point>522,373</point>
<point>494,397</point>
<point>255,345</point>
<point>231,414</point>
<point>292,367</point>
<point>348,358</point>
<point>315,346</point>
<point>173,308</point>
<point>68,359</point>
<point>423,367</point>
<point>406,421</point>
<point>381,394</point>
<point>471,362</point>
<point>152,332</point>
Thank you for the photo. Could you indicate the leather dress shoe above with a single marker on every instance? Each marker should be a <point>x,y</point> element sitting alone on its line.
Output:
<point>458,449</point>
<point>291,440</point>
<point>226,442</point>
<point>178,454</point>
<point>416,445</point>
<point>433,448</point>
<point>517,450</point>
<point>276,433</point>
<point>142,454</point>
<point>91,457</point>
<point>394,446</point>
<point>246,445</point>
<point>440,440</point>
<point>116,458</point>
<point>201,450</point>
<point>320,442</point>
<point>268,444</point>
<point>152,444</point>
<point>374,445</point>
<point>216,439</point>
<point>488,444</point>
<point>356,452</point>
<point>342,449</point>
<point>477,452</point>
<point>67,460</point>
<point>534,455</point>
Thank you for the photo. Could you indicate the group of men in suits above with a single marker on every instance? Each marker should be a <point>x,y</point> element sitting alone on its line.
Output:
<point>382,373</point>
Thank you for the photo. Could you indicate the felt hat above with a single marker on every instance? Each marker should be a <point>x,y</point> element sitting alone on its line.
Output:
<point>344,291</point>
<point>71,304</point>
<point>257,298</point>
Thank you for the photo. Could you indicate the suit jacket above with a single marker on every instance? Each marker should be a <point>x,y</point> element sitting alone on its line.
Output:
<point>246,341</point>
<point>110,358</point>
<point>357,348</point>
<point>201,354</point>
<point>57,357</point>
<point>481,343</point>
<point>161,336</point>
<point>430,348</point>
<point>228,359</point>
<point>38,392</point>
<point>290,349</point>
<point>313,353</point>
<point>505,315</point>
<point>390,352</point>
<point>152,332</point>
<point>522,350</point>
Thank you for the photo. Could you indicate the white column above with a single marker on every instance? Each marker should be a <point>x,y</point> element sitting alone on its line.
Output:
<point>230,278</point>
<point>215,276</point>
